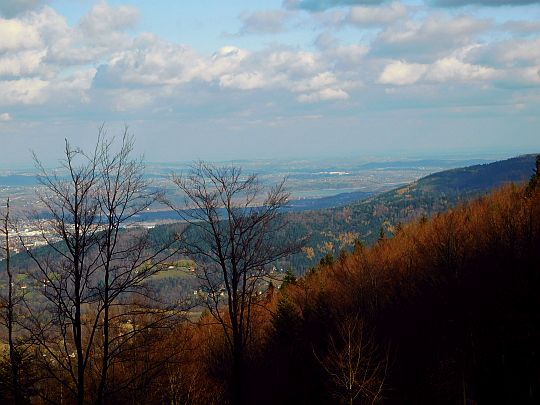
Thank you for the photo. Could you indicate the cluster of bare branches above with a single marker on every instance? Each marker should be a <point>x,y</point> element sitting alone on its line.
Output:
<point>93,276</point>
<point>92,305</point>
<point>11,303</point>
<point>356,368</point>
<point>237,224</point>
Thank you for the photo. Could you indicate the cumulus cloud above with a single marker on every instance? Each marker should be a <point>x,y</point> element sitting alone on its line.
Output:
<point>431,37</point>
<point>509,53</point>
<point>402,73</point>
<point>244,81</point>
<point>98,63</point>
<point>26,63</point>
<point>104,19</point>
<point>150,61</point>
<point>45,60</point>
<point>515,52</point>
<point>16,35</point>
<point>443,70</point>
<point>492,3</point>
<point>11,8</point>
<point>453,69</point>
<point>160,63</point>
<point>23,91</point>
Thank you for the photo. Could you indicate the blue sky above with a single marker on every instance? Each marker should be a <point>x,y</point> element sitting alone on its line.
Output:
<point>295,78</point>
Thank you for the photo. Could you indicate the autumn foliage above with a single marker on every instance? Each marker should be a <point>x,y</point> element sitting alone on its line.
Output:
<point>450,304</point>
<point>445,312</point>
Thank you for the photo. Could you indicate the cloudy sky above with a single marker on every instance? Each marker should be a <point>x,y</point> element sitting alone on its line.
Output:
<point>233,79</point>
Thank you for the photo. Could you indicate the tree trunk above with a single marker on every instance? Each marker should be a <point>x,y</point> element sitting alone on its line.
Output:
<point>105,360</point>
<point>237,376</point>
<point>13,356</point>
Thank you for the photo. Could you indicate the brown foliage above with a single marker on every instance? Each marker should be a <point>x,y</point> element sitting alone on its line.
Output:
<point>449,298</point>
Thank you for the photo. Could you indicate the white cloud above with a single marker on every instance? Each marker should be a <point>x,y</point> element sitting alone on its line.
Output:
<point>322,80</point>
<point>227,60</point>
<point>44,59</point>
<point>443,70</point>
<point>152,62</point>
<point>452,69</point>
<point>23,91</point>
<point>103,19</point>
<point>25,63</point>
<point>16,35</point>
<point>530,74</point>
<point>244,81</point>
<point>520,78</point>
<point>518,51</point>
<point>402,73</point>
<point>433,36</point>
<point>4,117</point>
<point>349,56</point>
<point>517,61</point>
<point>328,94</point>
<point>299,63</point>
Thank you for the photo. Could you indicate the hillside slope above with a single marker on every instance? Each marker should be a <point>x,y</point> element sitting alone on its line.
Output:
<point>446,312</point>
<point>335,229</point>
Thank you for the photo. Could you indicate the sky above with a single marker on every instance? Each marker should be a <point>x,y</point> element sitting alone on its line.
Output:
<point>220,80</point>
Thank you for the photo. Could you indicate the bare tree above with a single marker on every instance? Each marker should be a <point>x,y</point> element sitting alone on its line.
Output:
<point>234,233</point>
<point>124,262</point>
<point>356,367</point>
<point>66,272</point>
<point>93,269</point>
<point>9,303</point>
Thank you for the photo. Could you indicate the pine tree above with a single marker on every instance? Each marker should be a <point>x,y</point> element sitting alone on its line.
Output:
<point>534,182</point>
<point>289,278</point>
<point>358,246</point>
<point>327,260</point>
<point>382,235</point>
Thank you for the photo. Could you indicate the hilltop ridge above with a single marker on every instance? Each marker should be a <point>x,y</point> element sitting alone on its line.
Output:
<point>334,229</point>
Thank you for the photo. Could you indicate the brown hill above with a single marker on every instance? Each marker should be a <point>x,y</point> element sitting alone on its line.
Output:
<point>445,312</point>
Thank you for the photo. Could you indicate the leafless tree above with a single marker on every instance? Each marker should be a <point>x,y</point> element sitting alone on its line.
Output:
<point>94,268</point>
<point>234,235</point>
<point>355,364</point>
<point>8,304</point>
<point>66,272</point>
<point>124,262</point>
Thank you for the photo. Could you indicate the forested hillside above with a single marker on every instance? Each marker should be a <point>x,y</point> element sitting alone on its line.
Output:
<point>379,216</point>
<point>443,313</point>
